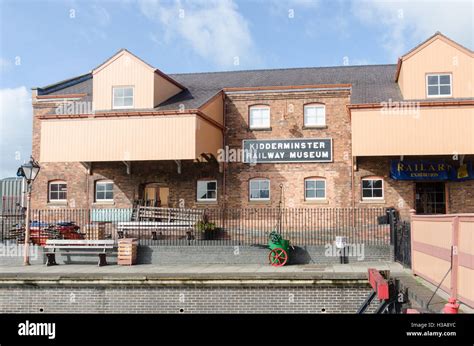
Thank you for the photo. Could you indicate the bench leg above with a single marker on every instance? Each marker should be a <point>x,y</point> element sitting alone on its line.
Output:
<point>51,259</point>
<point>102,259</point>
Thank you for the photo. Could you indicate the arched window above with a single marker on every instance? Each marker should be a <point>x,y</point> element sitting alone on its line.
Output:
<point>314,188</point>
<point>259,189</point>
<point>372,188</point>
<point>259,117</point>
<point>104,191</point>
<point>314,115</point>
<point>57,191</point>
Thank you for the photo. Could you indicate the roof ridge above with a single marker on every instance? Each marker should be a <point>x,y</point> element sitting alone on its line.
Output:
<point>282,69</point>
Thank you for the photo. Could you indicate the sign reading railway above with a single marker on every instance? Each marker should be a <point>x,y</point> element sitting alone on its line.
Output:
<point>287,150</point>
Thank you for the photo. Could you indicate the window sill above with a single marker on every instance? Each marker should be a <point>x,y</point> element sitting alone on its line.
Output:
<point>316,201</point>
<point>260,129</point>
<point>104,203</point>
<point>206,202</point>
<point>57,204</point>
<point>260,202</point>
<point>372,201</point>
<point>322,127</point>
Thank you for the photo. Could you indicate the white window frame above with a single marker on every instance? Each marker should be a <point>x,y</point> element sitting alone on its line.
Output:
<point>259,180</point>
<point>372,198</point>
<point>439,85</point>
<point>313,105</point>
<point>103,182</point>
<point>259,108</point>
<point>123,87</point>
<point>56,182</point>
<point>315,198</point>
<point>206,199</point>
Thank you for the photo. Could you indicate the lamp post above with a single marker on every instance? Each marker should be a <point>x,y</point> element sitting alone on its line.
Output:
<point>29,171</point>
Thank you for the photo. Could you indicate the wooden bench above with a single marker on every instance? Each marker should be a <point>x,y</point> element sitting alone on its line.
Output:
<point>78,247</point>
<point>154,219</point>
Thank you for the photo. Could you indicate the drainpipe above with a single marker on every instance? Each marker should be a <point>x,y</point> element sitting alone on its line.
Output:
<point>224,164</point>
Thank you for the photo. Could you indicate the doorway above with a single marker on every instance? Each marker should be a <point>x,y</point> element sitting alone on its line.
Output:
<point>155,195</point>
<point>430,198</point>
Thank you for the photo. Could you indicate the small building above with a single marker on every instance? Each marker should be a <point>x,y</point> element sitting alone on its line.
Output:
<point>11,195</point>
<point>398,135</point>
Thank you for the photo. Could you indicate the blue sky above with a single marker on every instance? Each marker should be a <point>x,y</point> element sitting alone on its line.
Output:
<point>42,42</point>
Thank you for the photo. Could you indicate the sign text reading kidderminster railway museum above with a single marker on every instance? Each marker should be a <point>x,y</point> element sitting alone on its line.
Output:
<point>287,150</point>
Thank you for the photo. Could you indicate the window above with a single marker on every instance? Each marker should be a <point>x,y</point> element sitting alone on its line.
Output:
<point>259,189</point>
<point>259,117</point>
<point>314,189</point>
<point>57,191</point>
<point>314,115</point>
<point>104,191</point>
<point>372,188</point>
<point>438,85</point>
<point>207,190</point>
<point>122,97</point>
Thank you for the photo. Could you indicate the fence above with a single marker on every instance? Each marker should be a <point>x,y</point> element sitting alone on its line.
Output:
<point>251,226</point>
<point>442,249</point>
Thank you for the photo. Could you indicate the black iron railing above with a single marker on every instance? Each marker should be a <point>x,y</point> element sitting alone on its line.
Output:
<point>213,226</point>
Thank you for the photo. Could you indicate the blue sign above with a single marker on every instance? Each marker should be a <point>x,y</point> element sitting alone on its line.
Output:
<point>430,170</point>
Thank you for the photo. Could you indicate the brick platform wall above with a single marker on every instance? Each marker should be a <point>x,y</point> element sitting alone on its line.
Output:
<point>340,298</point>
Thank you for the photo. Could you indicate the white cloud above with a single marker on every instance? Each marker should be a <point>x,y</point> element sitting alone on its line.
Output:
<point>214,29</point>
<point>406,22</point>
<point>15,129</point>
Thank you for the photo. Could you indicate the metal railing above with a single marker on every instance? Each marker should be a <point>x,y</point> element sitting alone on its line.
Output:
<point>230,226</point>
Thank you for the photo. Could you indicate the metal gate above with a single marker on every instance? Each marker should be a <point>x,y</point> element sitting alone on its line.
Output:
<point>402,243</point>
<point>400,238</point>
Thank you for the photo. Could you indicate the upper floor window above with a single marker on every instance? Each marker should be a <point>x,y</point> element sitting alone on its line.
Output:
<point>438,85</point>
<point>372,188</point>
<point>259,190</point>
<point>123,97</point>
<point>259,117</point>
<point>207,190</point>
<point>314,189</point>
<point>57,191</point>
<point>314,115</point>
<point>104,191</point>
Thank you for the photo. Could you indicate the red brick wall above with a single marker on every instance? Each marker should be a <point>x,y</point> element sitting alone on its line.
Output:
<point>286,111</point>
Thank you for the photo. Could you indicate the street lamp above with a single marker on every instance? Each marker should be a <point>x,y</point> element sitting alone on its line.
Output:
<point>29,171</point>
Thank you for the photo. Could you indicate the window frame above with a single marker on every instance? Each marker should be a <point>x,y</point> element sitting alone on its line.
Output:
<point>259,189</point>
<point>314,105</point>
<point>264,127</point>
<point>97,200</point>
<point>197,190</point>
<point>439,84</point>
<point>123,87</point>
<point>56,182</point>
<point>372,189</point>
<point>315,198</point>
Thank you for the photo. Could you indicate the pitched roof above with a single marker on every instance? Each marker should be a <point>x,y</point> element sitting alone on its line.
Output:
<point>370,84</point>
<point>373,83</point>
<point>429,40</point>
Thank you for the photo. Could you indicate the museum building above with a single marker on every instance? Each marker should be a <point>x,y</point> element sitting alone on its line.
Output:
<point>398,135</point>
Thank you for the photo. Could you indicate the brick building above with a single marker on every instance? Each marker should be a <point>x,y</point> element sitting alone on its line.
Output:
<point>398,135</point>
